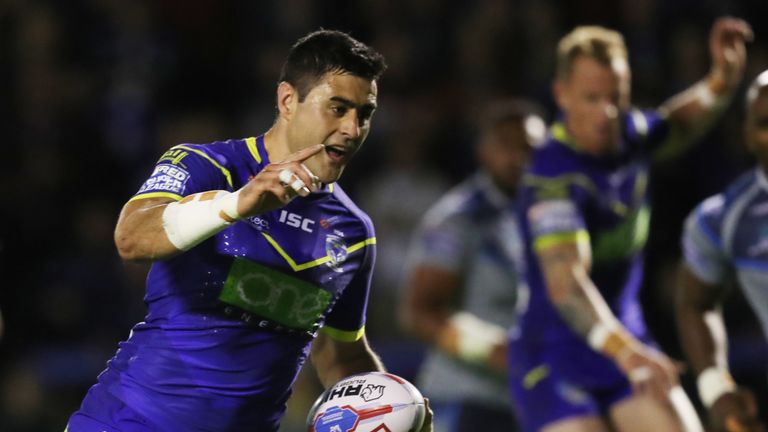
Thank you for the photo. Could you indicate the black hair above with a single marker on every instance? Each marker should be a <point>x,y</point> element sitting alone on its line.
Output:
<point>509,110</point>
<point>324,51</point>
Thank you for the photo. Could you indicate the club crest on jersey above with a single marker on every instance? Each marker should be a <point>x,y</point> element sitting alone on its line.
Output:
<point>336,250</point>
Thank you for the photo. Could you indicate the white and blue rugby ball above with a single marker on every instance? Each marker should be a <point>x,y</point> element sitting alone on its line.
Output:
<point>368,402</point>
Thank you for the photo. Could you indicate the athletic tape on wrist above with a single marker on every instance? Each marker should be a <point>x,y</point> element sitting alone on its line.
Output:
<point>476,338</point>
<point>705,95</point>
<point>712,383</point>
<point>610,340</point>
<point>598,336</point>
<point>199,216</point>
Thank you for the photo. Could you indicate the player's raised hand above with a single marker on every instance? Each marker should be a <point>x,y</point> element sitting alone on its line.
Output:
<point>278,183</point>
<point>649,371</point>
<point>735,412</point>
<point>727,40</point>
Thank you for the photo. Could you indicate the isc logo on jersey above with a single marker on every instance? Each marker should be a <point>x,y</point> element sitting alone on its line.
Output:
<point>369,402</point>
<point>296,221</point>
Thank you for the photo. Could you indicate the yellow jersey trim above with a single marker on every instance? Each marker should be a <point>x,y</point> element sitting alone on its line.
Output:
<point>534,376</point>
<point>546,241</point>
<point>225,171</point>
<point>299,267</point>
<point>173,196</point>
<point>560,133</point>
<point>344,335</point>
<point>251,142</point>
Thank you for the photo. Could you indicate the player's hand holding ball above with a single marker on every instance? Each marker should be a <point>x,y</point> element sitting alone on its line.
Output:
<point>368,402</point>
<point>735,412</point>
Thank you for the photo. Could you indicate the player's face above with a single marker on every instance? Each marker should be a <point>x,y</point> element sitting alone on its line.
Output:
<point>504,152</point>
<point>337,112</point>
<point>757,128</point>
<point>592,99</point>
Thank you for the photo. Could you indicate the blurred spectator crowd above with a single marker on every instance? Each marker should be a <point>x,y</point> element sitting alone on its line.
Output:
<point>93,91</point>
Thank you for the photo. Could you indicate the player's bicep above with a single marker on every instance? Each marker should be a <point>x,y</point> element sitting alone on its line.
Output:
<point>436,261</point>
<point>432,290</point>
<point>695,293</point>
<point>560,242</point>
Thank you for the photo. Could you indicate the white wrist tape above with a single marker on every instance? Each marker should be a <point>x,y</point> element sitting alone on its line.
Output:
<point>712,383</point>
<point>199,216</point>
<point>598,335</point>
<point>707,98</point>
<point>476,338</point>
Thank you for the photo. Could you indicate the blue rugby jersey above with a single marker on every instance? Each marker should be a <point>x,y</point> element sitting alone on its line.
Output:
<point>567,195</point>
<point>726,236</point>
<point>202,360</point>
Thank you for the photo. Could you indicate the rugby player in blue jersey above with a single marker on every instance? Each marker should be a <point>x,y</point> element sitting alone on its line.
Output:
<point>258,258</point>
<point>583,359</point>
<point>461,289</point>
<point>725,239</point>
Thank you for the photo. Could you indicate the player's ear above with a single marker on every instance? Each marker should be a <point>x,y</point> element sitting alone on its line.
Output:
<point>287,98</point>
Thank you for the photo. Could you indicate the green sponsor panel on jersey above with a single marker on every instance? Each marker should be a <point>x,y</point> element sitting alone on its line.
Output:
<point>273,295</point>
<point>625,239</point>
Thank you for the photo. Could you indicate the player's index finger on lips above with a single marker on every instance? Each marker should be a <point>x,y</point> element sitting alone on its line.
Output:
<point>304,154</point>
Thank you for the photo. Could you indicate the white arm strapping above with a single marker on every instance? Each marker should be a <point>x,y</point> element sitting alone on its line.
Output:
<point>712,383</point>
<point>476,338</point>
<point>199,216</point>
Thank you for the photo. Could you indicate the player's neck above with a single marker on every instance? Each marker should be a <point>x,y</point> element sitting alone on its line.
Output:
<point>276,143</point>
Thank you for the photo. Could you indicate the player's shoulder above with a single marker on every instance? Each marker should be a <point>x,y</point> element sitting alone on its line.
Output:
<point>465,201</point>
<point>712,211</point>
<point>719,204</point>
<point>338,194</point>
<point>222,153</point>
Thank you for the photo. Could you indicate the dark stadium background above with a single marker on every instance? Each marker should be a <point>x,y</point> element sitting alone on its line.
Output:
<point>93,91</point>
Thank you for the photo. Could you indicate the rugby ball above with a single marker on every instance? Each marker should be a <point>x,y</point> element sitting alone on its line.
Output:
<point>368,402</point>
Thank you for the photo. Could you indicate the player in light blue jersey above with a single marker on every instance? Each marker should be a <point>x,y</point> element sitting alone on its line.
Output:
<point>726,238</point>
<point>461,289</point>
<point>259,258</point>
<point>583,359</point>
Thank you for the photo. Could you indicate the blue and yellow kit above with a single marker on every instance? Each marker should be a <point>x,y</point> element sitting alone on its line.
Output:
<point>569,195</point>
<point>230,322</point>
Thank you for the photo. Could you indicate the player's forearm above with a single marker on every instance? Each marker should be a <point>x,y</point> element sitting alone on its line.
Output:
<point>578,301</point>
<point>139,235</point>
<point>692,112</point>
<point>702,335</point>
<point>570,288</point>
<point>699,321</point>
<point>334,360</point>
<point>580,304</point>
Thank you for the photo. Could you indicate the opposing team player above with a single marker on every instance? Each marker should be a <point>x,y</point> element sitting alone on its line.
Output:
<point>462,281</point>
<point>725,237</point>
<point>259,256</point>
<point>583,358</point>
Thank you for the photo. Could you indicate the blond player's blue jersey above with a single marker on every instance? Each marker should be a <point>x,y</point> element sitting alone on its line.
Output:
<point>230,322</point>
<point>571,196</point>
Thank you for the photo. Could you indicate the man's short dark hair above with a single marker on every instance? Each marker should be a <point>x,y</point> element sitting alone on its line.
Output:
<point>325,51</point>
<point>509,110</point>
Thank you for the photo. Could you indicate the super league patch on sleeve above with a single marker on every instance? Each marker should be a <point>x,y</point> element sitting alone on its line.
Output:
<point>166,178</point>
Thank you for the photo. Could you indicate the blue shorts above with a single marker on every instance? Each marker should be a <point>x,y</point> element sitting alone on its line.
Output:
<point>550,382</point>
<point>102,412</point>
